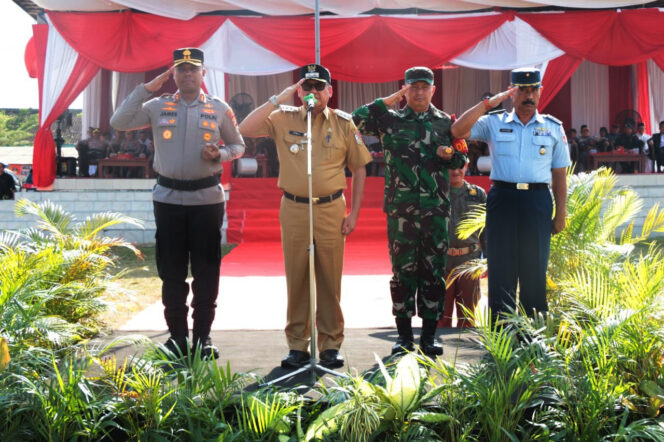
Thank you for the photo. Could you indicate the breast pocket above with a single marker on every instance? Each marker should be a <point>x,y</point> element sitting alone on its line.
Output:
<point>542,148</point>
<point>505,144</point>
<point>333,147</point>
<point>295,144</point>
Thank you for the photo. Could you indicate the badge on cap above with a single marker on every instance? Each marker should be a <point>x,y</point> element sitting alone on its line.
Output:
<point>167,134</point>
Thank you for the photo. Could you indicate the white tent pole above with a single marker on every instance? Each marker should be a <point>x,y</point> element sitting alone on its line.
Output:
<point>317,32</point>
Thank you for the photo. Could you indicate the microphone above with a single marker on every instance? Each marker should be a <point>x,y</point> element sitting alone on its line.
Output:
<point>310,101</point>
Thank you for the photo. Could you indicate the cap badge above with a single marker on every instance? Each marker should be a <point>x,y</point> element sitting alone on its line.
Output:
<point>186,54</point>
<point>311,68</point>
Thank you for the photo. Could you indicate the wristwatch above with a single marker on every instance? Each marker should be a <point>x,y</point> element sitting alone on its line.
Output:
<point>273,100</point>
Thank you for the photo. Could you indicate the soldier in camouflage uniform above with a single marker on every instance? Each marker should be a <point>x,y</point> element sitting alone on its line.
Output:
<point>418,154</point>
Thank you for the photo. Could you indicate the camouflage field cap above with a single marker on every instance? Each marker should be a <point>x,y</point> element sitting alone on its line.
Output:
<point>418,73</point>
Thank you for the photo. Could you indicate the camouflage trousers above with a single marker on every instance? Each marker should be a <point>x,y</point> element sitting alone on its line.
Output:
<point>418,251</point>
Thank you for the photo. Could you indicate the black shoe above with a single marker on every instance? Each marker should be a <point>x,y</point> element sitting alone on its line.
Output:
<point>403,344</point>
<point>331,359</point>
<point>405,341</point>
<point>177,346</point>
<point>295,359</point>
<point>207,349</point>
<point>428,343</point>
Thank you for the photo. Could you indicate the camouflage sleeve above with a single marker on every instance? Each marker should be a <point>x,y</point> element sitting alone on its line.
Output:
<point>366,117</point>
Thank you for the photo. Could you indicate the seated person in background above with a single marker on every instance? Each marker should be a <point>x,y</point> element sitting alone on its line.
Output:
<point>145,140</point>
<point>90,150</point>
<point>603,144</point>
<point>6,184</point>
<point>573,144</point>
<point>656,144</point>
<point>630,143</point>
<point>644,137</point>
<point>613,136</point>
<point>131,145</point>
<point>115,145</point>
<point>587,143</point>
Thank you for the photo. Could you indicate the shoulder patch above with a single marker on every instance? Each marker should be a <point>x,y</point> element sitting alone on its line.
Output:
<point>552,118</point>
<point>498,111</point>
<point>287,108</point>
<point>342,114</point>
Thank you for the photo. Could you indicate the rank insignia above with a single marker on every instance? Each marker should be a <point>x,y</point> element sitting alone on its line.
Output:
<point>231,115</point>
<point>167,134</point>
<point>542,151</point>
<point>202,98</point>
<point>473,192</point>
<point>358,137</point>
<point>207,136</point>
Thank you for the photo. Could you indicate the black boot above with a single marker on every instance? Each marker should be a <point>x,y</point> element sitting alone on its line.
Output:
<point>428,343</point>
<point>405,341</point>
<point>207,349</point>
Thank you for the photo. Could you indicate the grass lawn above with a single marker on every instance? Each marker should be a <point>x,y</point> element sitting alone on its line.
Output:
<point>139,287</point>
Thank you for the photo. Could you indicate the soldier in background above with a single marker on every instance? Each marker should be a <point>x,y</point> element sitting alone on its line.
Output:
<point>418,153</point>
<point>464,291</point>
<point>90,150</point>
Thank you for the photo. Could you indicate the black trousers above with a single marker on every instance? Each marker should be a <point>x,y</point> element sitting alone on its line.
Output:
<point>189,234</point>
<point>518,232</point>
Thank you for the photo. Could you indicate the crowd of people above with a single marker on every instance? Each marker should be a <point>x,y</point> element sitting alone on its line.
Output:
<point>630,138</point>
<point>129,144</point>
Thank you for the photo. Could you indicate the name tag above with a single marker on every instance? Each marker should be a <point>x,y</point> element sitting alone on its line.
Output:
<point>296,133</point>
<point>507,130</point>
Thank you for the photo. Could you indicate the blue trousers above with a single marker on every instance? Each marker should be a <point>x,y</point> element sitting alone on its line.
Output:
<point>518,231</point>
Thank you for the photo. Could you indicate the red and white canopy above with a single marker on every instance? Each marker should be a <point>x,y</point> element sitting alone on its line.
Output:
<point>73,46</point>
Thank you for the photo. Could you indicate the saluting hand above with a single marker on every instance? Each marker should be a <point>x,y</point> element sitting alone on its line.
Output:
<point>210,152</point>
<point>285,95</point>
<point>396,97</point>
<point>158,81</point>
<point>499,98</point>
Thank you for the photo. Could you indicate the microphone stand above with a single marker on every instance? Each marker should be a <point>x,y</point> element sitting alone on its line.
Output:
<point>312,365</point>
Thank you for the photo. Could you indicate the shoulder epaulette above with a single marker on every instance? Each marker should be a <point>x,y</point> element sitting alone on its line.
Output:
<point>214,98</point>
<point>288,108</point>
<point>167,96</point>
<point>552,118</point>
<point>344,115</point>
<point>497,111</point>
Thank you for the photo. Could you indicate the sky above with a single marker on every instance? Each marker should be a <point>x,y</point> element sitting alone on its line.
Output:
<point>18,90</point>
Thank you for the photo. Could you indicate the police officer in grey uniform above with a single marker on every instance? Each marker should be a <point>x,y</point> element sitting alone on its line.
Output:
<point>188,199</point>
<point>528,152</point>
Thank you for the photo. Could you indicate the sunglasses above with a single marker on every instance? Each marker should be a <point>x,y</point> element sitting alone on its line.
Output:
<point>319,86</point>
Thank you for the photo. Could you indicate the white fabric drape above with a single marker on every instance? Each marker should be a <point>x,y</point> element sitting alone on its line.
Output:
<point>187,9</point>
<point>122,85</point>
<point>656,77</point>
<point>590,97</point>
<point>91,105</point>
<point>353,95</point>
<point>513,45</point>
<point>58,66</point>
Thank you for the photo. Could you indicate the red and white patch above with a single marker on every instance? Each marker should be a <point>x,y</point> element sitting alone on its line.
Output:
<point>231,115</point>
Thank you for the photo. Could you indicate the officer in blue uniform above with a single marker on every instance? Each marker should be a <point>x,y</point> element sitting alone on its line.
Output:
<point>528,154</point>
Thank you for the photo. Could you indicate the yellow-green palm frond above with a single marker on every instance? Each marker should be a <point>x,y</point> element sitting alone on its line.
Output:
<point>641,282</point>
<point>654,222</point>
<point>94,224</point>
<point>592,289</point>
<point>473,221</point>
<point>473,269</point>
<point>621,209</point>
<point>52,217</point>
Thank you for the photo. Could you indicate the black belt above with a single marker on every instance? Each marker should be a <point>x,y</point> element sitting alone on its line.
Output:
<point>520,186</point>
<point>316,199</point>
<point>202,183</point>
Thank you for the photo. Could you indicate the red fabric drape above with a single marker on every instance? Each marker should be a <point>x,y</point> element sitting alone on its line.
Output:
<point>130,41</point>
<point>620,85</point>
<point>351,47</point>
<point>643,95</point>
<point>557,73</point>
<point>605,37</point>
<point>43,154</point>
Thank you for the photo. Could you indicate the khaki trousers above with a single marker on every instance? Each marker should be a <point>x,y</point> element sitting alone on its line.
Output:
<point>328,262</point>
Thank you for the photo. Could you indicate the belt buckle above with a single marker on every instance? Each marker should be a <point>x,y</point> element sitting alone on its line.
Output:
<point>315,200</point>
<point>522,186</point>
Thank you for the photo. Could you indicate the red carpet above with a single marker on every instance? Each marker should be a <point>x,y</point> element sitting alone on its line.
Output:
<point>253,223</point>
